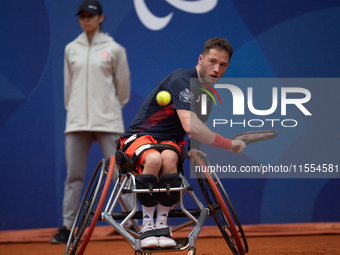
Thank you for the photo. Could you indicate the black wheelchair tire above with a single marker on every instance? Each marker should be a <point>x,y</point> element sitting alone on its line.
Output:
<point>87,214</point>
<point>219,209</point>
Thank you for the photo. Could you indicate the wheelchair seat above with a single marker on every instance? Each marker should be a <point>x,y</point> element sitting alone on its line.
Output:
<point>128,165</point>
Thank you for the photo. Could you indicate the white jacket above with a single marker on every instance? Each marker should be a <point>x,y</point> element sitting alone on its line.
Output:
<point>96,84</point>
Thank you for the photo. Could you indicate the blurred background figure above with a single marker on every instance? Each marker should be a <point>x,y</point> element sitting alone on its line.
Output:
<point>96,87</point>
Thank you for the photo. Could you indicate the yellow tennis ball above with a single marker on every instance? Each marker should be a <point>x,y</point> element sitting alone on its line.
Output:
<point>163,97</point>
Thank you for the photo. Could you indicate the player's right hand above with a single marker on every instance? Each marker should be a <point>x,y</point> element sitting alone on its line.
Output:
<point>237,146</point>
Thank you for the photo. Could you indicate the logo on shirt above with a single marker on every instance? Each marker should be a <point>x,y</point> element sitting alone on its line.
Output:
<point>104,54</point>
<point>73,53</point>
<point>186,96</point>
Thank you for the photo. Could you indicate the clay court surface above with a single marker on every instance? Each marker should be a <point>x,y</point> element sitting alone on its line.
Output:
<point>315,238</point>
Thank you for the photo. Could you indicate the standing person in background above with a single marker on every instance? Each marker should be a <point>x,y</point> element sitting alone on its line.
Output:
<point>96,87</point>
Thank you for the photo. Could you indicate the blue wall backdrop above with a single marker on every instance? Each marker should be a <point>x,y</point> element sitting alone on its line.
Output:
<point>283,39</point>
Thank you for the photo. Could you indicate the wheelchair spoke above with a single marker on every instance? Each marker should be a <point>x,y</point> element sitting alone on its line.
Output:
<point>90,207</point>
<point>211,190</point>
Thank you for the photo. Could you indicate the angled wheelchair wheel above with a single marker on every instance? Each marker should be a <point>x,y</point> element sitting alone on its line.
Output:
<point>90,207</point>
<point>225,221</point>
<point>229,205</point>
<point>224,194</point>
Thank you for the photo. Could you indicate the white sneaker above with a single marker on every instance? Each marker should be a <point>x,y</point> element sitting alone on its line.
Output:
<point>164,241</point>
<point>161,224</point>
<point>151,241</point>
<point>147,226</point>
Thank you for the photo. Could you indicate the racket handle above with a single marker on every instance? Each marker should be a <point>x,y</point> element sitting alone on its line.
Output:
<point>236,149</point>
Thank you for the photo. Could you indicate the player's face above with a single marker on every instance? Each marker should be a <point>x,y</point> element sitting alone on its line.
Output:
<point>90,22</point>
<point>213,65</point>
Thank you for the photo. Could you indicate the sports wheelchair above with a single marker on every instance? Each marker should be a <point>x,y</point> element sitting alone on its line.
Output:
<point>217,200</point>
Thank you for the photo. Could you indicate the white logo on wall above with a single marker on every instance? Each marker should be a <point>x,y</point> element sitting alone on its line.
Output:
<point>153,22</point>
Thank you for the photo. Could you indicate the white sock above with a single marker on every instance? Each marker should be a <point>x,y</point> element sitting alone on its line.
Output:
<point>148,213</point>
<point>162,212</point>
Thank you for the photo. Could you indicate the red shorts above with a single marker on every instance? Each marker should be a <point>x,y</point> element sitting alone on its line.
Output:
<point>147,139</point>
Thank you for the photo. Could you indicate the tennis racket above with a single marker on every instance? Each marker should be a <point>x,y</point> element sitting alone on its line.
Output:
<point>255,136</point>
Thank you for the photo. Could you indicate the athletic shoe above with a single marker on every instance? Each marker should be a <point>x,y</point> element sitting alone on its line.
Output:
<point>151,241</point>
<point>164,241</point>
<point>161,224</point>
<point>61,237</point>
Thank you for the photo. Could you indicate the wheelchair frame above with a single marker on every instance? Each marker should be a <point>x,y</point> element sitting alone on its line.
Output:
<point>96,192</point>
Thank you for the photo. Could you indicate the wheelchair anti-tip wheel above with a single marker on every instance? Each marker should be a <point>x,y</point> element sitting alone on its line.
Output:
<point>90,207</point>
<point>218,208</point>
<point>191,251</point>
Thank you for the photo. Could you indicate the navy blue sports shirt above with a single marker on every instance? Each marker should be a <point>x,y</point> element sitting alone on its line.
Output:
<point>162,122</point>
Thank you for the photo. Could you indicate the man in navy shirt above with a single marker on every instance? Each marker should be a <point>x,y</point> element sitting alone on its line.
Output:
<point>158,124</point>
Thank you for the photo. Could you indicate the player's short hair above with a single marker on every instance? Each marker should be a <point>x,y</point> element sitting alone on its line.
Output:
<point>219,44</point>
